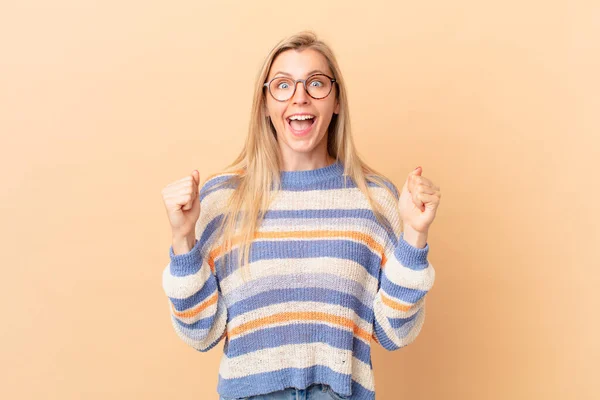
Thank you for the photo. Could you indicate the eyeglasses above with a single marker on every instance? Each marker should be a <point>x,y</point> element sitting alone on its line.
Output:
<point>318,86</point>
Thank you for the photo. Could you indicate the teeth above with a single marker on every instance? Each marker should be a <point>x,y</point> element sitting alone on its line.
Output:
<point>301,117</point>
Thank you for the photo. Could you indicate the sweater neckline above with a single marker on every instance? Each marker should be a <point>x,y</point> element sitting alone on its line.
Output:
<point>299,178</point>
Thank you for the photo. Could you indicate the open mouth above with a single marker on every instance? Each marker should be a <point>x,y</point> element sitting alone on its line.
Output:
<point>301,124</point>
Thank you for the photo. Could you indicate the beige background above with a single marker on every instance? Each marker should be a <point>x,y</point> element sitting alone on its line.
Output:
<point>104,103</point>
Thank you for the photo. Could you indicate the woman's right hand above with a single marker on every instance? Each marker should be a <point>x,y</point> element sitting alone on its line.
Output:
<point>182,202</point>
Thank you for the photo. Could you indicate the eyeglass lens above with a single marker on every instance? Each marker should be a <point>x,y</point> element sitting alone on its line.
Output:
<point>317,86</point>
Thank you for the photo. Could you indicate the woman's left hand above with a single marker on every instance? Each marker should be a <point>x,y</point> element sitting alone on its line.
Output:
<point>419,201</point>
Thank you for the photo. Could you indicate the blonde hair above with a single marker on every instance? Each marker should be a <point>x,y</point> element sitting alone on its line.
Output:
<point>256,171</point>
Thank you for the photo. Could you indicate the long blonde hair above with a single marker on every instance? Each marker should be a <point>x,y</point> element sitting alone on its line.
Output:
<point>256,171</point>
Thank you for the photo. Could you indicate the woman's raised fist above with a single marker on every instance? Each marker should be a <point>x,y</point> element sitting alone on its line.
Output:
<point>182,202</point>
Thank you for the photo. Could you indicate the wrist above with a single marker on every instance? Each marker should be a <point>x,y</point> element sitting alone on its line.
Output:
<point>183,244</point>
<point>415,238</point>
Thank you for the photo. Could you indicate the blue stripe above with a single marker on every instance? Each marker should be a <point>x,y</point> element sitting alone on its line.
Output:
<point>400,292</point>
<point>208,231</point>
<point>208,289</point>
<point>383,338</point>
<point>337,182</point>
<point>198,335</point>
<point>210,185</point>
<point>185,264</point>
<point>410,256</point>
<point>301,280</point>
<point>338,248</point>
<point>321,295</point>
<point>298,333</point>
<point>405,329</point>
<point>267,382</point>
<point>399,322</point>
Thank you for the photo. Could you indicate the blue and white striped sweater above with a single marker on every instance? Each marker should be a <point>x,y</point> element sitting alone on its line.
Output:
<point>325,279</point>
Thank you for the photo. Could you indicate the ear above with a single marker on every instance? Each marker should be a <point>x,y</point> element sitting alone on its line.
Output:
<point>336,110</point>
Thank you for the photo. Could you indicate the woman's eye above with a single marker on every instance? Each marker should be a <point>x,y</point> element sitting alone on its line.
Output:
<point>316,83</point>
<point>283,85</point>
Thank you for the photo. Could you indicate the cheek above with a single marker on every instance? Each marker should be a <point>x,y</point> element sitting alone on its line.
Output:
<point>327,113</point>
<point>330,108</point>
<point>274,111</point>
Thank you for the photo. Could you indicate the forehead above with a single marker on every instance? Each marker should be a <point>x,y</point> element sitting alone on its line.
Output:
<point>299,63</point>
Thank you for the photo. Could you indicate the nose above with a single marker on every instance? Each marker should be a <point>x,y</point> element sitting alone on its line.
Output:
<point>300,95</point>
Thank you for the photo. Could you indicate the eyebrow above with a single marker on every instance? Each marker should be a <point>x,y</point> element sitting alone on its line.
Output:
<point>314,71</point>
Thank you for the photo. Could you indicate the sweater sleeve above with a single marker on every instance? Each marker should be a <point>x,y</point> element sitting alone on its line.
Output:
<point>198,313</point>
<point>399,305</point>
<point>197,310</point>
<point>405,278</point>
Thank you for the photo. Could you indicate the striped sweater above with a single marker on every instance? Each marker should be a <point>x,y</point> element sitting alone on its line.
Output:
<point>325,279</point>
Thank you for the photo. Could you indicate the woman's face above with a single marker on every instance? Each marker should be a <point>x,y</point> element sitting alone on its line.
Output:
<point>302,135</point>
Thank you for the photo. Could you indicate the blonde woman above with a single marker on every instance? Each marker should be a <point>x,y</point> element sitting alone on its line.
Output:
<point>298,255</point>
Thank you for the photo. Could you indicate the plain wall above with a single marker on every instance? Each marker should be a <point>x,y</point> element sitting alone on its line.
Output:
<point>102,104</point>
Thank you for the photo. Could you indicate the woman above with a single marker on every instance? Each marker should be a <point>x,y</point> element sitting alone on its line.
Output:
<point>298,254</point>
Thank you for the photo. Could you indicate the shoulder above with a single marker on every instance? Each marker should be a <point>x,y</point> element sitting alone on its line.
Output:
<point>382,187</point>
<point>219,183</point>
<point>215,192</point>
<point>386,194</point>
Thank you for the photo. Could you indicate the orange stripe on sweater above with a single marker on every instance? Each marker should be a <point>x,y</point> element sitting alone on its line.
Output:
<point>394,304</point>
<point>300,316</point>
<point>197,309</point>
